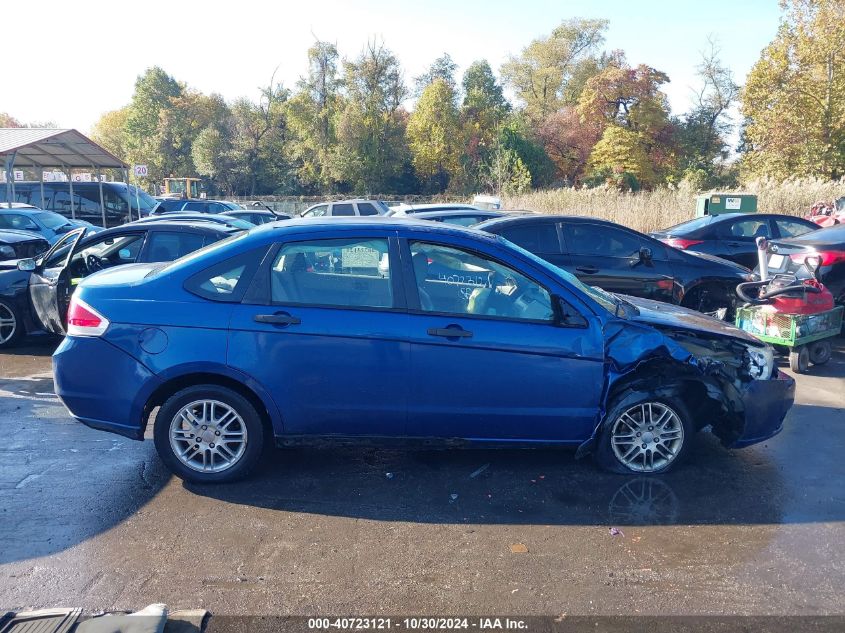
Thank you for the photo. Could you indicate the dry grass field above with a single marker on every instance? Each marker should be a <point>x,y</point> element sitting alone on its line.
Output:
<point>650,210</point>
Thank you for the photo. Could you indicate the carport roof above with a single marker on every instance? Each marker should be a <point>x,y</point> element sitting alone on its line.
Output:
<point>49,147</point>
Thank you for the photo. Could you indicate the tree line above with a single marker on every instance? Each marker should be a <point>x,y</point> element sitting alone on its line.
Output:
<point>581,116</point>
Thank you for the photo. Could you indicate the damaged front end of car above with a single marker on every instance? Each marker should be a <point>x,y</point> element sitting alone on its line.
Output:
<point>727,379</point>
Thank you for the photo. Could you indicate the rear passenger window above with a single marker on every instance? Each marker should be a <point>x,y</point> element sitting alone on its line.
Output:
<point>226,281</point>
<point>343,209</point>
<point>202,207</point>
<point>535,238</point>
<point>164,246</point>
<point>365,208</point>
<point>749,229</point>
<point>597,240</point>
<point>345,273</point>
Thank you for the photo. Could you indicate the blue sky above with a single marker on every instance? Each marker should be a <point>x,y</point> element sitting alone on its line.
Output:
<point>93,51</point>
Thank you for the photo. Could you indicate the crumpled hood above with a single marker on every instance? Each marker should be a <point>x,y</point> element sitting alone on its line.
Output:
<point>658,314</point>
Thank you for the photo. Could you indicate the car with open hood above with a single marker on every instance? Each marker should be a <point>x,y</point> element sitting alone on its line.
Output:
<point>382,330</point>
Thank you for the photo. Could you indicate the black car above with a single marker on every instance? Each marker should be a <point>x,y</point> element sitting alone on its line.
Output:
<point>19,244</point>
<point>732,235</point>
<point>461,217</point>
<point>620,260</point>
<point>34,293</point>
<point>214,218</point>
<point>827,244</point>
<point>196,205</point>
<point>257,216</point>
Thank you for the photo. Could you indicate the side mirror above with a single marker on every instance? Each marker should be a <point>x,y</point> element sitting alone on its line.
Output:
<point>645,254</point>
<point>565,314</point>
<point>27,265</point>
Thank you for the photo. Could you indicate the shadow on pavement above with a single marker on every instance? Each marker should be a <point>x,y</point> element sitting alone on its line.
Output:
<point>716,486</point>
<point>61,483</point>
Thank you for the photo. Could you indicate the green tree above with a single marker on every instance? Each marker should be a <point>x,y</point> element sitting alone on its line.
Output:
<point>704,131</point>
<point>110,132</point>
<point>551,71</point>
<point>620,159</point>
<point>631,98</point>
<point>371,154</point>
<point>482,113</point>
<point>154,92</point>
<point>434,136</point>
<point>442,68</point>
<point>794,96</point>
<point>312,117</point>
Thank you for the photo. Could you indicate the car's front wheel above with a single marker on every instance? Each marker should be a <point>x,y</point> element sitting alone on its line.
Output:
<point>209,434</point>
<point>645,434</point>
<point>11,325</point>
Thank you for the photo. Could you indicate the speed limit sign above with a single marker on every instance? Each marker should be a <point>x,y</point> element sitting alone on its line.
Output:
<point>140,171</point>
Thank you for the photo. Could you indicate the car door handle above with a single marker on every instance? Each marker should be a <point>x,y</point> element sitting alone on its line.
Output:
<point>587,270</point>
<point>735,244</point>
<point>280,318</point>
<point>449,332</point>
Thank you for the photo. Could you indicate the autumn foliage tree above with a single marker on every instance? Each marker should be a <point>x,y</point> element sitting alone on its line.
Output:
<point>794,97</point>
<point>434,135</point>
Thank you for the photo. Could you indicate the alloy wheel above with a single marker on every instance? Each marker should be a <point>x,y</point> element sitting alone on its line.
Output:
<point>208,436</point>
<point>8,324</point>
<point>647,437</point>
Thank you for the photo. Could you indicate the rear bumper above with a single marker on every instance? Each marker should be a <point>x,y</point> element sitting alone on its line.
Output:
<point>102,386</point>
<point>766,404</point>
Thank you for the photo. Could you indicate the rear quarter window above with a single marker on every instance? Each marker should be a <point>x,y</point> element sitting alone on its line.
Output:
<point>228,280</point>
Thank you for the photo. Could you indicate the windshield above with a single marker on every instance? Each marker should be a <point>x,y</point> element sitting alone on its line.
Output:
<point>208,248</point>
<point>832,233</point>
<point>606,300</point>
<point>51,220</point>
<point>689,225</point>
<point>145,200</point>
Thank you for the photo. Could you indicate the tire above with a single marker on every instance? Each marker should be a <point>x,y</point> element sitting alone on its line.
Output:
<point>11,325</point>
<point>820,352</point>
<point>202,423</point>
<point>624,418</point>
<point>799,359</point>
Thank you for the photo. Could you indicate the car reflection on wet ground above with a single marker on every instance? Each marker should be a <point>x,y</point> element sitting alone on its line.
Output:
<point>90,519</point>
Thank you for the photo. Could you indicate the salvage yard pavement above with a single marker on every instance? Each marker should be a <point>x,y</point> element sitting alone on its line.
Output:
<point>94,521</point>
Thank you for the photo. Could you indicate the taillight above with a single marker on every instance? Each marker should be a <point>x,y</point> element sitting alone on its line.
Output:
<point>677,242</point>
<point>828,258</point>
<point>83,320</point>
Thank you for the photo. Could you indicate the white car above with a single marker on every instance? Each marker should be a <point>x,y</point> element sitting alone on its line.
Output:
<point>411,209</point>
<point>347,208</point>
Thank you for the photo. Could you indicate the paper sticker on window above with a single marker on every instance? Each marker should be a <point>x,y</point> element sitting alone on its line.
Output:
<point>359,257</point>
<point>733,203</point>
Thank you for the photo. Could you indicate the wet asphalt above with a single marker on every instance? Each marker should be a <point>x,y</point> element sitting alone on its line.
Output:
<point>93,520</point>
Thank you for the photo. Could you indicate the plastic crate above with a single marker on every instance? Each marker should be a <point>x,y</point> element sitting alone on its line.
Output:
<point>789,329</point>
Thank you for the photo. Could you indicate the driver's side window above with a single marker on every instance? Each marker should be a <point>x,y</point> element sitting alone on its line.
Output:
<point>108,252</point>
<point>454,281</point>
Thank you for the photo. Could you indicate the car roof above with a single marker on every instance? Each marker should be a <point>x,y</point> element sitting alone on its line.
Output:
<point>153,225</point>
<point>18,206</point>
<point>456,213</point>
<point>19,236</point>
<point>353,223</point>
<point>442,206</point>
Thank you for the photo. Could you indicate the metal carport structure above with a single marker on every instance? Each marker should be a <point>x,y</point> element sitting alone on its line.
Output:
<point>50,148</point>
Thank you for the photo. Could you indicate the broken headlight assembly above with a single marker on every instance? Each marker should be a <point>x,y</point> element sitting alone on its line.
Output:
<point>759,362</point>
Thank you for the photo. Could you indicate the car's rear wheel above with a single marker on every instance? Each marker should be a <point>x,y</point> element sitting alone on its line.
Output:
<point>209,434</point>
<point>645,434</point>
<point>11,326</point>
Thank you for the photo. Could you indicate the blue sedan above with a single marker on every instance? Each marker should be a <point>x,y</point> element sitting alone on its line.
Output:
<point>51,226</point>
<point>365,329</point>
